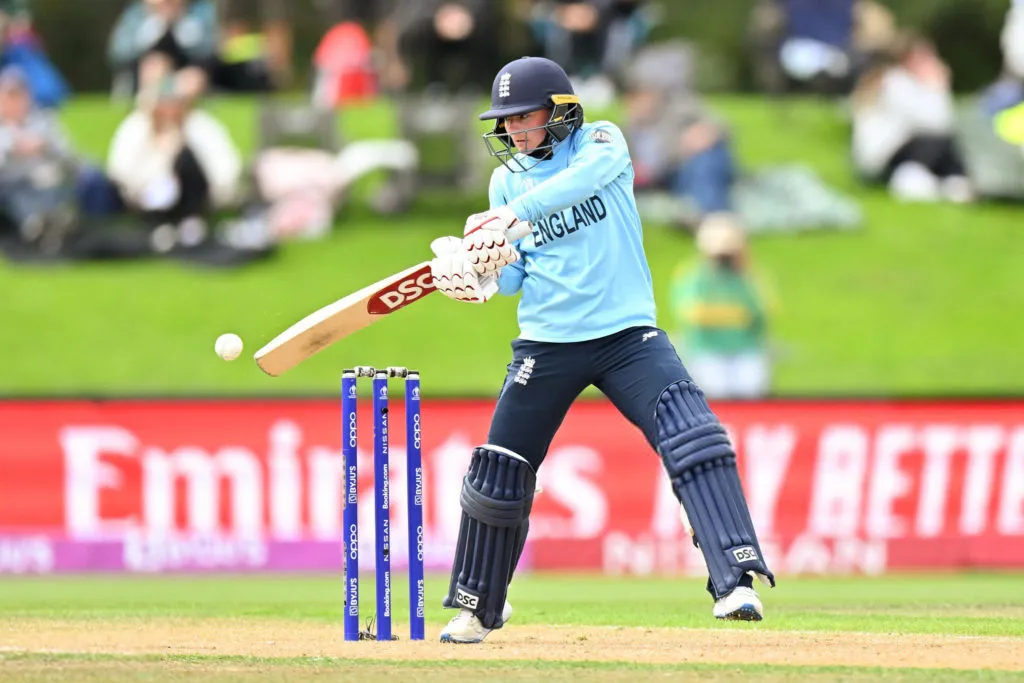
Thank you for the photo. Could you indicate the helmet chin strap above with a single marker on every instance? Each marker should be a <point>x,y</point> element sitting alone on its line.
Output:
<point>545,150</point>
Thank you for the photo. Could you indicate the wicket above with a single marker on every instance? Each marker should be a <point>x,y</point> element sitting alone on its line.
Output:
<point>382,499</point>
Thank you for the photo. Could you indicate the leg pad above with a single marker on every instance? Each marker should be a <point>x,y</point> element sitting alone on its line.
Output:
<point>497,496</point>
<point>701,463</point>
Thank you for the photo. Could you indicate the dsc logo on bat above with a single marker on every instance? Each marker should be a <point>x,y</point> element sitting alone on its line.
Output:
<point>403,292</point>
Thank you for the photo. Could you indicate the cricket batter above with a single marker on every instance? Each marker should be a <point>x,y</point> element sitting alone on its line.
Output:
<point>586,317</point>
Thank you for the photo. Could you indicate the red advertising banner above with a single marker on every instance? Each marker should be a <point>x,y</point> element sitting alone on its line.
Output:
<point>833,486</point>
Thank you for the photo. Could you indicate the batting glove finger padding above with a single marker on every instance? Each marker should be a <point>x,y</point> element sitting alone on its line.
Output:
<point>486,242</point>
<point>456,279</point>
<point>488,252</point>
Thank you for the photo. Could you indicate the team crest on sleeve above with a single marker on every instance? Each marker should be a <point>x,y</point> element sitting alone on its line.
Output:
<point>600,135</point>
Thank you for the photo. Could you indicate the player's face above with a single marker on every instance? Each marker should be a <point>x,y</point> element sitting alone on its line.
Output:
<point>521,128</point>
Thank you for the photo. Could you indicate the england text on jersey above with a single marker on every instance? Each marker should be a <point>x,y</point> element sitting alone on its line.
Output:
<point>567,221</point>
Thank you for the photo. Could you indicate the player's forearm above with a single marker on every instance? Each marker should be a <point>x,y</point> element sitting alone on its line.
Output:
<point>581,180</point>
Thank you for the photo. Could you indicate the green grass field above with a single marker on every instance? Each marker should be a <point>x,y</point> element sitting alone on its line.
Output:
<point>920,301</point>
<point>895,628</point>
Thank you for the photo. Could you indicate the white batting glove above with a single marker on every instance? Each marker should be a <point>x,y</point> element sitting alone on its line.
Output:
<point>454,276</point>
<point>484,240</point>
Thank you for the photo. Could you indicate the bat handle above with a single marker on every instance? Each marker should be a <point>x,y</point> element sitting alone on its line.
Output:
<point>488,286</point>
<point>518,231</point>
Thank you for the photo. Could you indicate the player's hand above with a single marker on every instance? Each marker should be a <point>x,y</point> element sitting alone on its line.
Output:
<point>486,243</point>
<point>454,276</point>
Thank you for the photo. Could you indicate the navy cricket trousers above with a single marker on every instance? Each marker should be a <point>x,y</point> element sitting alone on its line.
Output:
<point>632,368</point>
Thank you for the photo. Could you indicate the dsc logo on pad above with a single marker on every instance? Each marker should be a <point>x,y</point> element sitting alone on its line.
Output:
<point>745,554</point>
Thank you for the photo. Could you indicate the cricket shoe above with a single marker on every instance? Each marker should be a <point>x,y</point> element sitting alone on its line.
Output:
<point>742,604</point>
<point>466,628</point>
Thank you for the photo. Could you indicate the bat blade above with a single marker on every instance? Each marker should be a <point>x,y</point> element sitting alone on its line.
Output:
<point>337,320</point>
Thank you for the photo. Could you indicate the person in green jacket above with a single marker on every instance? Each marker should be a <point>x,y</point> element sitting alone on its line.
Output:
<point>720,314</point>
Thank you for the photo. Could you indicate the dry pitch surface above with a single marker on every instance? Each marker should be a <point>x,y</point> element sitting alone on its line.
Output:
<point>289,639</point>
<point>220,630</point>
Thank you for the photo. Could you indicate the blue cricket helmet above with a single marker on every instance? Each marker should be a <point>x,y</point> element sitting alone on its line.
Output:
<point>524,85</point>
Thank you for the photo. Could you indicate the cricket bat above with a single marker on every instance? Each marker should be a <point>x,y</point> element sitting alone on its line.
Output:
<point>334,322</point>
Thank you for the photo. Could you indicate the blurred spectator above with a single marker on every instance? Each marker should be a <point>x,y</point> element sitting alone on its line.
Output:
<point>675,142</point>
<point>256,49</point>
<point>345,71</point>
<point>817,45</point>
<point>298,190</point>
<point>438,57</point>
<point>21,47</point>
<point>590,36</point>
<point>37,167</point>
<point>685,167</point>
<point>903,126</point>
<point>629,25</point>
<point>1013,40</point>
<point>874,31</point>
<point>991,130</point>
<point>173,164</point>
<point>301,174</point>
<point>450,45</point>
<point>1007,93</point>
<point>720,315</point>
<point>570,32</point>
<point>393,74</point>
<point>156,37</point>
<point>813,41</point>
<point>592,39</point>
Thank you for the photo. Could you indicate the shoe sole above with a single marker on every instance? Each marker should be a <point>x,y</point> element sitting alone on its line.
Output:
<point>446,638</point>
<point>744,613</point>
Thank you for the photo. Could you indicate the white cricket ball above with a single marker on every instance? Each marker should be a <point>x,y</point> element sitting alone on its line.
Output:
<point>228,346</point>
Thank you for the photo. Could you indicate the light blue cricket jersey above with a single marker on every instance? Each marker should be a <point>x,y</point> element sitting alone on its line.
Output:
<point>583,272</point>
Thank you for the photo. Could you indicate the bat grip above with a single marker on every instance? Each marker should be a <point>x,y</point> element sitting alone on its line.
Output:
<point>518,231</point>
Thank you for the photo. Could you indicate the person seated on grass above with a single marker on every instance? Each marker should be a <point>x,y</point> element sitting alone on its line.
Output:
<point>593,39</point>
<point>255,54</point>
<point>173,163</point>
<point>569,32</point>
<point>816,41</point>
<point>720,314</point>
<point>1012,39</point>
<point>37,167</point>
<point>443,45</point>
<point>591,36</point>
<point>903,126</point>
<point>1003,101</point>
<point>816,45</point>
<point>677,143</point>
<point>181,34</point>
<point>20,46</point>
<point>990,127</point>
